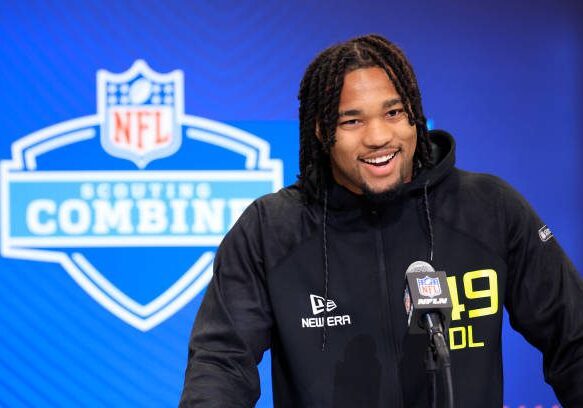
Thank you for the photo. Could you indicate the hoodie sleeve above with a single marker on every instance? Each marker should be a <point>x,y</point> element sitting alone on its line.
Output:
<point>233,325</point>
<point>544,298</point>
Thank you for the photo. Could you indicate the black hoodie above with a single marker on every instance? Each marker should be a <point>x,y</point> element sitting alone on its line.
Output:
<point>281,262</point>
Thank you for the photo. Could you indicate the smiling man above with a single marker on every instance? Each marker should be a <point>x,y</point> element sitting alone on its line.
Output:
<point>316,271</point>
<point>375,142</point>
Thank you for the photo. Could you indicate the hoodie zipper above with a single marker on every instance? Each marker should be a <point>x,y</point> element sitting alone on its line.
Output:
<point>386,312</point>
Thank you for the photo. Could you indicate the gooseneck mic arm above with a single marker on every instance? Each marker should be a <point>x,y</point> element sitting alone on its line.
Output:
<point>438,352</point>
<point>432,323</point>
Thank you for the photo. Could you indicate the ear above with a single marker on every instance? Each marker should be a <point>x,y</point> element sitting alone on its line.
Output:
<point>318,134</point>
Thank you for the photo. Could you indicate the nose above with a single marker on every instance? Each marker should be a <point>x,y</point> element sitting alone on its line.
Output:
<point>378,134</point>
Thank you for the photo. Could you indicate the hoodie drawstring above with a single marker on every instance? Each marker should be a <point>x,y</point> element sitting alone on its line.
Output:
<point>429,223</point>
<point>325,245</point>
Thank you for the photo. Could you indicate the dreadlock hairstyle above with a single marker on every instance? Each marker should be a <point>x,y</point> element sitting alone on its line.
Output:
<point>319,98</point>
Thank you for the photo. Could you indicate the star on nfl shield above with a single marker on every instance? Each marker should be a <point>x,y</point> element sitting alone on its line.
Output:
<point>429,286</point>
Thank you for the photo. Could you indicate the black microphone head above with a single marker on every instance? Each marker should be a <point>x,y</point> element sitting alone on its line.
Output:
<point>426,292</point>
<point>417,266</point>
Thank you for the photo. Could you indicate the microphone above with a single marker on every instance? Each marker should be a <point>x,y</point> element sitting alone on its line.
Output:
<point>428,306</point>
<point>427,300</point>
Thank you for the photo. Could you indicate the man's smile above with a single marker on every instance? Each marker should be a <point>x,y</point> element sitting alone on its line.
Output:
<point>381,160</point>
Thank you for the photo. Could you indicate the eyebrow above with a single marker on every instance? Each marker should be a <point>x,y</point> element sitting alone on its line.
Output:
<point>386,104</point>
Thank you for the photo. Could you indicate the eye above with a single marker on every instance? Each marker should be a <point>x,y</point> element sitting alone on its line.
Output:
<point>394,113</point>
<point>349,123</point>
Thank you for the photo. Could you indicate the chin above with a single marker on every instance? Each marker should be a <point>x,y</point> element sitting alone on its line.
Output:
<point>381,188</point>
<point>368,189</point>
<point>383,194</point>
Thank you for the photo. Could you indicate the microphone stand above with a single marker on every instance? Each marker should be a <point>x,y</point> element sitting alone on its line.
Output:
<point>437,358</point>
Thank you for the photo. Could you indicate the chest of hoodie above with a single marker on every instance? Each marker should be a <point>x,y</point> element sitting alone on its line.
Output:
<point>367,254</point>
<point>364,314</point>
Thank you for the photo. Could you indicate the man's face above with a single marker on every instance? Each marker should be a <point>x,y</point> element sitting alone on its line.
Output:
<point>374,140</point>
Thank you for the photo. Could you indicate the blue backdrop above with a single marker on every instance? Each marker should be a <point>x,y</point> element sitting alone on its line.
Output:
<point>98,321</point>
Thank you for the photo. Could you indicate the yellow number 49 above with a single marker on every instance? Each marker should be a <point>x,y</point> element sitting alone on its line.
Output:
<point>491,292</point>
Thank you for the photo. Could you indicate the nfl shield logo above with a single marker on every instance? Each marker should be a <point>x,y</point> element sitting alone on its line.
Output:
<point>139,111</point>
<point>429,286</point>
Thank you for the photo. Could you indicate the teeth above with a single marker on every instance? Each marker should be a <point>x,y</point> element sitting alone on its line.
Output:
<point>381,159</point>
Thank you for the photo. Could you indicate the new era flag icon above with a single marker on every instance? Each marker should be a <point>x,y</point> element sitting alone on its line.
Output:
<point>317,303</point>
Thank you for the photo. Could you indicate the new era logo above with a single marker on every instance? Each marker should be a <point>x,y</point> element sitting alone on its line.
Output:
<point>320,305</point>
<point>317,303</point>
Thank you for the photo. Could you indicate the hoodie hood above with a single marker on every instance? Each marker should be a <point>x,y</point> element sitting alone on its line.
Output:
<point>443,160</point>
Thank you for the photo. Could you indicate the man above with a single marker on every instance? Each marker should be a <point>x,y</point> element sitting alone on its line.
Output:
<point>316,271</point>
